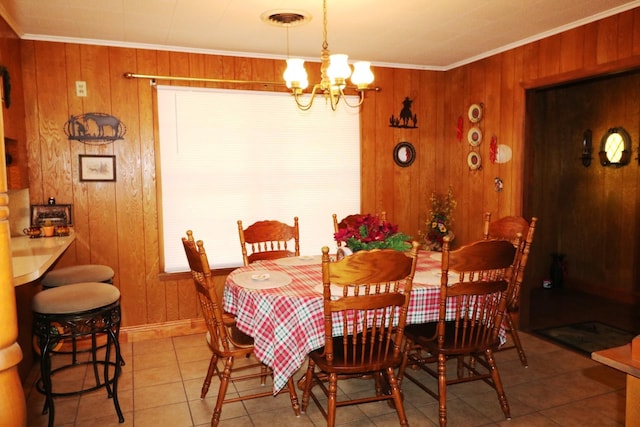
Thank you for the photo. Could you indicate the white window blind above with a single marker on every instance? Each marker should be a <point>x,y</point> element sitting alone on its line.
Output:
<point>227,155</point>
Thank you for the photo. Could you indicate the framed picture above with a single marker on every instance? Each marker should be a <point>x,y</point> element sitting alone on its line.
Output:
<point>97,168</point>
<point>57,214</point>
<point>404,154</point>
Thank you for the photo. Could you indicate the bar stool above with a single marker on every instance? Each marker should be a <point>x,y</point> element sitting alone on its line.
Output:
<point>78,310</point>
<point>78,274</point>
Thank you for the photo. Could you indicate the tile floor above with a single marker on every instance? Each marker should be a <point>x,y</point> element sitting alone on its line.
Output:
<point>160,386</point>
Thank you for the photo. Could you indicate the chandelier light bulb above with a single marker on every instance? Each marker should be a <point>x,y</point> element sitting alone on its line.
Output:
<point>295,75</point>
<point>362,75</point>
<point>339,69</point>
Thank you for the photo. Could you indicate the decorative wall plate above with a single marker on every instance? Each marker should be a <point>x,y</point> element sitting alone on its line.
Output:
<point>504,153</point>
<point>474,136</point>
<point>474,161</point>
<point>404,154</point>
<point>475,113</point>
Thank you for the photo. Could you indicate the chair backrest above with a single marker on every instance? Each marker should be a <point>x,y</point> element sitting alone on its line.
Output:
<point>221,338</point>
<point>353,220</point>
<point>508,228</point>
<point>269,240</point>
<point>475,283</point>
<point>505,228</point>
<point>373,295</point>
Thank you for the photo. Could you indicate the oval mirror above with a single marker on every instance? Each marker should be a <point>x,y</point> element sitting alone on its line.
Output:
<point>615,147</point>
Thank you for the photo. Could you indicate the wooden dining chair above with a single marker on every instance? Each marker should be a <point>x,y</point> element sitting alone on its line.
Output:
<point>472,306</point>
<point>352,220</point>
<point>226,341</point>
<point>509,228</point>
<point>366,296</point>
<point>269,240</point>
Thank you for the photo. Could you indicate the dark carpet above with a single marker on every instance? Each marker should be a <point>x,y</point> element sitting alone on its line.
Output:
<point>587,337</point>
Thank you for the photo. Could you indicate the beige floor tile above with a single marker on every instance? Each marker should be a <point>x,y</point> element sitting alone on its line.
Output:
<point>158,395</point>
<point>195,368</point>
<point>154,376</point>
<point>174,415</point>
<point>143,361</point>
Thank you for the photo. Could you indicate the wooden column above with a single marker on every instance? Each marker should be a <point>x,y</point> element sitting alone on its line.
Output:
<point>13,412</point>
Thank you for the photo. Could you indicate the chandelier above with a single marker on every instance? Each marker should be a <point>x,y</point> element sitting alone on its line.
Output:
<point>334,71</point>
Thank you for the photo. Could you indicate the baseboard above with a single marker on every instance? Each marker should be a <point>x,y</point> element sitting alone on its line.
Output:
<point>175,328</point>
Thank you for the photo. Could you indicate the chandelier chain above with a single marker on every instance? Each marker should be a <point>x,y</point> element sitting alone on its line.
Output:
<point>325,44</point>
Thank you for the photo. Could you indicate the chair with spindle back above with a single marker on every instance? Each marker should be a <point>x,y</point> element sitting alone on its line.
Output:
<point>475,283</point>
<point>370,308</point>
<point>269,239</point>
<point>226,341</point>
<point>509,228</point>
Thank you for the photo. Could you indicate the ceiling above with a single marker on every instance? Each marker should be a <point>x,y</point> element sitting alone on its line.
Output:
<point>421,34</point>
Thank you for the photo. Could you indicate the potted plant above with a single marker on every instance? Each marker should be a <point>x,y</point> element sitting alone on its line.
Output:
<point>439,220</point>
<point>370,232</point>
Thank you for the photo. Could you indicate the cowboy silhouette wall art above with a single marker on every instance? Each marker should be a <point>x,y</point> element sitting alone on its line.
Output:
<point>407,119</point>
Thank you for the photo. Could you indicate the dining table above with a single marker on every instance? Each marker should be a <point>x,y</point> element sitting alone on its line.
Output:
<point>280,304</point>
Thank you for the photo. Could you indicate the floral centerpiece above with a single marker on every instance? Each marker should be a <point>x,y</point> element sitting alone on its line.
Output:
<point>370,232</point>
<point>439,221</point>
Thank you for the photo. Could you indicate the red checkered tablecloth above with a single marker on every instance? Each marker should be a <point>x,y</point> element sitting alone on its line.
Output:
<point>287,322</point>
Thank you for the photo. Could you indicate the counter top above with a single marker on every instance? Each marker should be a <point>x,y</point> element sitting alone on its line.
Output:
<point>33,257</point>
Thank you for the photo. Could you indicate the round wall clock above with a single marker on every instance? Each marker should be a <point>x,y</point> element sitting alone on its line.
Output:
<point>474,136</point>
<point>475,113</point>
<point>474,161</point>
<point>404,154</point>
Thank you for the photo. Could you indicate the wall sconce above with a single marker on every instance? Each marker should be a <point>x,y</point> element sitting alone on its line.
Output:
<point>587,148</point>
<point>615,148</point>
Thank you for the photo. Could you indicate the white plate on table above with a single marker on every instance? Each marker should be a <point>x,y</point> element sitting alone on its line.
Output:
<point>300,260</point>
<point>261,279</point>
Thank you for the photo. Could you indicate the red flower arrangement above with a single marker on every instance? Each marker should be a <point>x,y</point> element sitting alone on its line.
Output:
<point>370,232</point>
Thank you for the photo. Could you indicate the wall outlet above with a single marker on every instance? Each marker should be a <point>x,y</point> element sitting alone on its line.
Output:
<point>81,88</point>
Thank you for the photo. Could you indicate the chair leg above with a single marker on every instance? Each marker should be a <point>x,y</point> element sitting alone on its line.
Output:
<point>294,397</point>
<point>224,384</point>
<point>516,340</point>
<point>442,389</point>
<point>332,399</point>
<point>210,372</point>
<point>497,382</point>
<point>397,397</point>
<point>308,380</point>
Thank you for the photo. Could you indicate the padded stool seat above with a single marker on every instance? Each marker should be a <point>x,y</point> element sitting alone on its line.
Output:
<point>74,311</point>
<point>78,274</point>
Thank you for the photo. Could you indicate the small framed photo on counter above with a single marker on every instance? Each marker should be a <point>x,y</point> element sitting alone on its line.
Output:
<point>97,168</point>
<point>56,214</point>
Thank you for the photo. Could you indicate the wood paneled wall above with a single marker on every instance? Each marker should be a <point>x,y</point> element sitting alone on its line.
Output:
<point>117,223</point>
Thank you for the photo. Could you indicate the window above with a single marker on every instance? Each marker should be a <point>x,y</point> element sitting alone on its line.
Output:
<point>227,155</point>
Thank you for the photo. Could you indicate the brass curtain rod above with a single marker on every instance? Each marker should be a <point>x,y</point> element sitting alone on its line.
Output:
<point>198,79</point>
<point>152,77</point>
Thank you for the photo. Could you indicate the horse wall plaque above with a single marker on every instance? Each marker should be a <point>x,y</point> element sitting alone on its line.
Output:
<point>94,128</point>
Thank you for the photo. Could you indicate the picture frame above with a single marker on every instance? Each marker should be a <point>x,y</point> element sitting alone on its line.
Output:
<point>404,154</point>
<point>97,167</point>
<point>57,214</point>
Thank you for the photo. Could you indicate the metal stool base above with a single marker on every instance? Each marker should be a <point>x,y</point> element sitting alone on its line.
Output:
<point>50,329</point>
